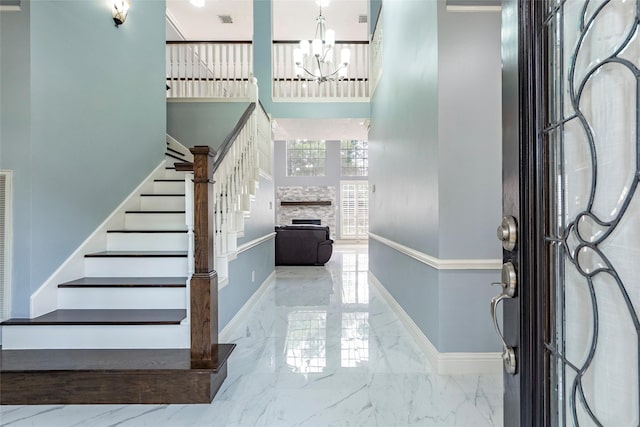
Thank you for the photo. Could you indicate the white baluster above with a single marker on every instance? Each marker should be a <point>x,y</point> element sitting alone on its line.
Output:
<point>225,221</point>
<point>188,191</point>
<point>171,65</point>
<point>198,82</point>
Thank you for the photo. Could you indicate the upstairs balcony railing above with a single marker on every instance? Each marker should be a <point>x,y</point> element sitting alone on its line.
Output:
<point>209,69</point>
<point>223,69</point>
<point>289,87</point>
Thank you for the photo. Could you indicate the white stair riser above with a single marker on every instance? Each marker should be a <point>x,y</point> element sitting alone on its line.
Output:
<point>222,266</point>
<point>135,267</point>
<point>166,187</point>
<point>171,160</point>
<point>167,203</point>
<point>232,241</point>
<point>147,242</point>
<point>173,174</point>
<point>95,336</point>
<point>122,298</point>
<point>152,221</point>
<point>237,222</point>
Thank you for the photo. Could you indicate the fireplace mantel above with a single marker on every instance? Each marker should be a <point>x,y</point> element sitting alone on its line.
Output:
<point>306,203</point>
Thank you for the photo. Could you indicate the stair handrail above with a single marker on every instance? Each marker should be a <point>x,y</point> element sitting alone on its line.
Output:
<point>233,135</point>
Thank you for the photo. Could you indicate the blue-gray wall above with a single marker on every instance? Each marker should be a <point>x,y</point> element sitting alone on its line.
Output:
<point>202,123</point>
<point>470,133</point>
<point>94,129</point>
<point>15,138</point>
<point>375,6</point>
<point>435,161</point>
<point>260,259</point>
<point>403,137</point>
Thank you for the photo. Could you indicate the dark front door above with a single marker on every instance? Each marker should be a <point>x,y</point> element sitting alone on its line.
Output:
<point>518,229</point>
<point>571,167</point>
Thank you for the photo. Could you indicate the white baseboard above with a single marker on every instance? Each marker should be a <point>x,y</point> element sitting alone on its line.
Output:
<point>444,363</point>
<point>45,298</point>
<point>225,334</point>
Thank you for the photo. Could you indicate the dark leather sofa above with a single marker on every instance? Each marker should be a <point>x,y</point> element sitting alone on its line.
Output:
<point>303,245</point>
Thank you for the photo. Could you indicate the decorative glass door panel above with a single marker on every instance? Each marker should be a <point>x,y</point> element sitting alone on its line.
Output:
<point>590,143</point>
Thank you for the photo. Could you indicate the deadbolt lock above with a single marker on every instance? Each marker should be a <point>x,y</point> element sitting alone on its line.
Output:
<point>507,233</point>
<point>509,279</point>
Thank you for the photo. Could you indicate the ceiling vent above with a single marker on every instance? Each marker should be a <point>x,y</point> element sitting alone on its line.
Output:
<point>225,19</point>
<point>363,19</point>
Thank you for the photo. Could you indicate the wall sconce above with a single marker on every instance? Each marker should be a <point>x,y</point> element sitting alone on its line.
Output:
<point>120,10</point>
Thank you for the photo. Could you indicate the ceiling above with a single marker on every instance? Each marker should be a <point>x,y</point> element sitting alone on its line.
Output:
<point>329,129</point>
<point>292,20</point>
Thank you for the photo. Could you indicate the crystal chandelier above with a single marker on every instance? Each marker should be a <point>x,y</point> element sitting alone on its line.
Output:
<point>314,59</point>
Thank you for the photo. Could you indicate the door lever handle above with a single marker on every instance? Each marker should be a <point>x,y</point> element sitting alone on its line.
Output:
<point>508,285</point>
<point>494,314</point>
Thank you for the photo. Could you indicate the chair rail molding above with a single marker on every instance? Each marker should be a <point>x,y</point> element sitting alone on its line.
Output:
<point>253,243</point>
<point>437,263</point>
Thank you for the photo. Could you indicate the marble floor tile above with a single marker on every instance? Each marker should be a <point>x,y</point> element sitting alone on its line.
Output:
<point>320,348</point>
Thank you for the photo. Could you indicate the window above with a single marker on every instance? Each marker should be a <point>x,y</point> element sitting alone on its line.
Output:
<point>354,213</point>
<point>306,158</point>
<point>354,158</point>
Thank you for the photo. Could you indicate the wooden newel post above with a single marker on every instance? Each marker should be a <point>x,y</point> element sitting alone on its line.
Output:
<point>204,282</point>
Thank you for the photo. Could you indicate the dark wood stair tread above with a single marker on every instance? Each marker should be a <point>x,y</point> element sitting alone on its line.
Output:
<point>103,317</point>
<point>173,156</point>
<point>137,254</point>
<point>183,167</point>
<point>122,359</point>
<point>179,153</point>
<point>168,180</point>
<point>126,282</point>
<point>154,212</point>
<point>146,231</point>
<point>161,195</point>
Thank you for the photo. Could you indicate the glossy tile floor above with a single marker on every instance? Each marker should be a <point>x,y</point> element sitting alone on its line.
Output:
<point>319,348</point>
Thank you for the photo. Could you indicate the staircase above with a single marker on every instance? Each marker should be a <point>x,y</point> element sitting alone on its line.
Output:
<point>133,294</point>
<point>121,333</point>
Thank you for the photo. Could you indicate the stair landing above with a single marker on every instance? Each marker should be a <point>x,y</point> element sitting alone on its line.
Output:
<point>162,376</point>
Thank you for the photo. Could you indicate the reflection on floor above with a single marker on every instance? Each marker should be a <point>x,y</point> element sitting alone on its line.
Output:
<point>320,348</point>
